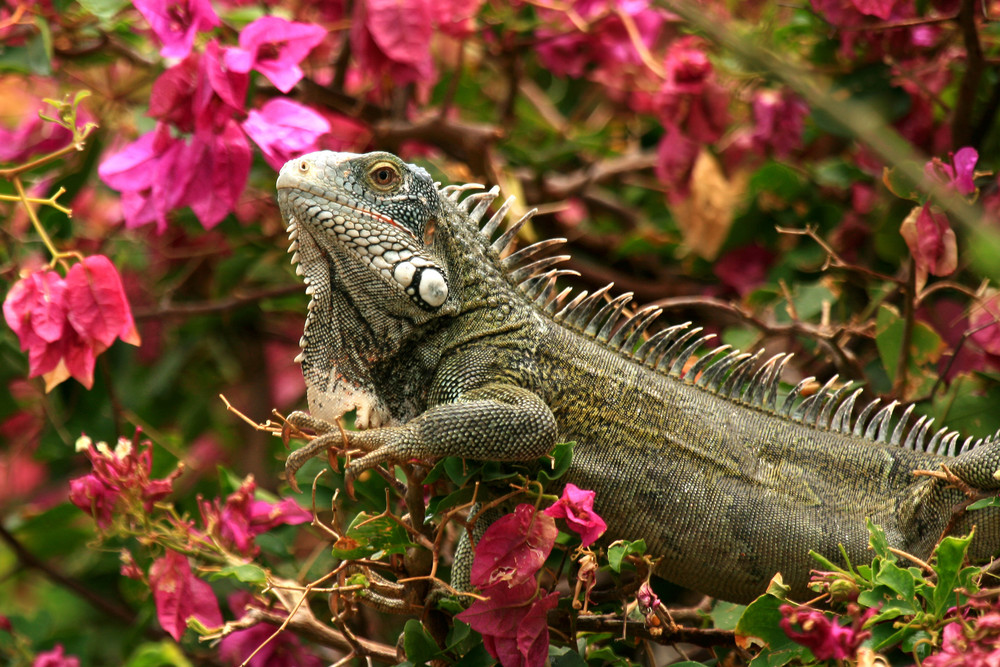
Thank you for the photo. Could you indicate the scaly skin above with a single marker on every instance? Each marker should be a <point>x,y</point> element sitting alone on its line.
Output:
<point>421,328</point>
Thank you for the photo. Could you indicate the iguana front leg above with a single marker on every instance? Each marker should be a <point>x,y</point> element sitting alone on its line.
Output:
<point>495,422</point>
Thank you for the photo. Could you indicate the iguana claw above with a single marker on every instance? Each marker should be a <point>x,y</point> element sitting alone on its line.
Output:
<point>328,437</point>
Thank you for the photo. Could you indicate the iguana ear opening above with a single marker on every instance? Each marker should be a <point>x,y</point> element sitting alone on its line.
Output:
<point>429,230</point>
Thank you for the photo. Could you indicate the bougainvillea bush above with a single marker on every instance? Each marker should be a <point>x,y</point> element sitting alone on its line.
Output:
<point>816,177</point>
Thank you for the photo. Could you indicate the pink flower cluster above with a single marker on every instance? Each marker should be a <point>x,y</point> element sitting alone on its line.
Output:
<point>236,522</point>
<point>55,658</point>
<point>120,482</point>
<point>199,155</point>
<point>64,323</point>
<point>969,643</point>
<point>827,639</point>
<point>927,230</point>
<point>179,595</point>
<point>508,558</point>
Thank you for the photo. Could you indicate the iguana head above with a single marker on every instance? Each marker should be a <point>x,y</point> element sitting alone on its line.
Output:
<point>363,230</point>
<point>372,217</point>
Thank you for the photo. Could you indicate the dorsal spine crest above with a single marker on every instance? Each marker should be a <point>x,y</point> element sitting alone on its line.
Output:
<point>724,371</point>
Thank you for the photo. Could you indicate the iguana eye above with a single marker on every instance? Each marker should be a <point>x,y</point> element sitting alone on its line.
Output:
<point>384,175</point>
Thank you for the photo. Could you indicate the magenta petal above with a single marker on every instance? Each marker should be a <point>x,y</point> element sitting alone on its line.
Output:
<point>513,548</point>
<point>95,300</point>
<point>128,169</point>
<point>175,23</point>
<point>238,60</point>
<point>179,595</point>
<point>285,129</point>
<point>293,42</point>
<point>965,167</point>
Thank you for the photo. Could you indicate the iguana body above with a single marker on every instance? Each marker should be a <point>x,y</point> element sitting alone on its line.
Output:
<point>445,349</point>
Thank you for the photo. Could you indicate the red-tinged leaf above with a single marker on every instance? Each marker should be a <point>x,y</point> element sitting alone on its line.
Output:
<point>514,548</point>
<point>95,302</point>
<point>179,595</point>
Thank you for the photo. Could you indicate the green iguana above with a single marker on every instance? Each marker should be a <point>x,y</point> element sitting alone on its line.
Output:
<point>445,347</point>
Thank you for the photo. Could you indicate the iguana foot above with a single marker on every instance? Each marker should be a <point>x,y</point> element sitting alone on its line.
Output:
<point>328,436</point>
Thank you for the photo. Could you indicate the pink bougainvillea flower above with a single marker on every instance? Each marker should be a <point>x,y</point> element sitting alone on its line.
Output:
<point>20,474</point>
<point>200,93</point>
<point>64,324</point>
<point>970,642</point>
<point>242,518</point>
<point>690,97</point>
<point>512,621</point>
<point>577,507</point>
<point>779,119</point>
<point>687,66</point>
<point>827,639</point>
<point>985,324</point>
<point>176,22</point>
<point>92,495</point>
<point>646,598</point>
<point>218,165</point>
<point>179,595</point>
<point>676,155</point>
<point>144,172</point>
<point>32,137</point>
<point>931,240</point>
<point>284,129</point>
<point>513,548</point>
<point>158,173</point>
<point>275,47</point>
<point>744,269</point>
<point>456,17</point>
<point>55,658</point>
<point>120,480</point>
<point>959,174</point>
<point>96,305</point>
<point>607,46</point>
<point>392,38</point>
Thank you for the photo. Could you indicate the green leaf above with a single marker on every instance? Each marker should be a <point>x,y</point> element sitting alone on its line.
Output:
<point>618,550</point>
<point>158,655</point>
<point>725,615</point>
<point>880,545</point>
<point>762,621</point>
<point>563,656</point>
<point>440,504</point>
<point>419,646</point>
<point>900,581</point>
<point>104,9</point>
<point>899,185</point>
<point>950,553</point>
<point>562,456</point>
<point>248,573</point>
<point>371,536</point>
<point>925,344</point>
<point>983,503</point>
<point>477,657</point>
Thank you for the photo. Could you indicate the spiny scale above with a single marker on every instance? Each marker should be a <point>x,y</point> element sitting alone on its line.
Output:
<point>725,371</point>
